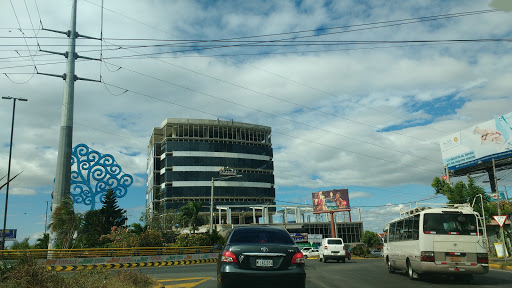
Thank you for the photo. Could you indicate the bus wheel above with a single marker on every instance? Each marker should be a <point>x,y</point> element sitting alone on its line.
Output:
<point>390,268</point>
<point>410,272</point>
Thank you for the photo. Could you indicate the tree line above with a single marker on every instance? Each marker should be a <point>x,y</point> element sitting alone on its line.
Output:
<point>106,228</point>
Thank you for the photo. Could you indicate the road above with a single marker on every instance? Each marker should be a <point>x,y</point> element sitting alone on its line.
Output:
<point>354,273</point>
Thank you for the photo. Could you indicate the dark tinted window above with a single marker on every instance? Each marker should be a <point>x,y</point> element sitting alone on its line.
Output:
<point>261,236</point>
<point>334,241</point>
<point>449,223</point>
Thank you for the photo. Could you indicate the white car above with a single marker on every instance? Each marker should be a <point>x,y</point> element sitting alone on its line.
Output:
<point>310,252</point>
<point>332,249</point>
<point>376,253</point>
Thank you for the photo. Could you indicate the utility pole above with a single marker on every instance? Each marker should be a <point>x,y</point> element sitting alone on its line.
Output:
<point>63,171</point>
<point>499,211</point>
<point>46,218</point>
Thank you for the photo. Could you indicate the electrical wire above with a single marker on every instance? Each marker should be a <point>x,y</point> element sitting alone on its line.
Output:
<point>278,116</point>
<point>35,67</point>
<point>276,132</point>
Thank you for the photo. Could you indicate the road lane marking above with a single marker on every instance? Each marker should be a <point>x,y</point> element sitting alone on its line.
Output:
<point>183,285</point>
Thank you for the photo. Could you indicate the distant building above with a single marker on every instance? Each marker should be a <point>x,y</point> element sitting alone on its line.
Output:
<point>185,154</point>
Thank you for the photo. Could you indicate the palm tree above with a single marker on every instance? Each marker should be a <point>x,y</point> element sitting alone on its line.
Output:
<point>65,223</point>
<point>42,242</point>
<point>190,214</point>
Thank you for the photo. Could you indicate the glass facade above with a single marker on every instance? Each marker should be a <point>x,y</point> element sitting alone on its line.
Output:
<point>185,154</point>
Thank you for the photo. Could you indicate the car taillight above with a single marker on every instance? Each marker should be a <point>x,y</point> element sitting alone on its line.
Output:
<point>482,258</point>
<point>298,258</point>
<point>228,256</point>
<point>427,256</point>
<point>326,247</point>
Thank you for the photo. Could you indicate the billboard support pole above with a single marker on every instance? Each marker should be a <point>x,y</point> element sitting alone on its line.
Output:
<point>333,233</point>
<point>447,174</point>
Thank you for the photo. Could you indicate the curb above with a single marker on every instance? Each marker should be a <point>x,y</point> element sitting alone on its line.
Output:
<point>128,265</point>
<point>497,266</point>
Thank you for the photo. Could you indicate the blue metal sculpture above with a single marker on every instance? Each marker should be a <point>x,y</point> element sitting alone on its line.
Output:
<point>98,170</point>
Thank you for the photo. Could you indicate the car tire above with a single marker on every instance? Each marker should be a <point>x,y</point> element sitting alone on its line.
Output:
<point>305,256</point>
<point>391,269</point>
<point>320,258</point>
<point>343,260</point>
<point>410,272</point>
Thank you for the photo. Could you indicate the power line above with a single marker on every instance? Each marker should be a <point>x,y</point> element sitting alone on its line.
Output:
<point>30,53</point>
<point>271,96</point>
<point>284,134</point>
<point>282,117</point>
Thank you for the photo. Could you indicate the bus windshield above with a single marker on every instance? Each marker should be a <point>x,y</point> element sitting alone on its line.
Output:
<point>449,224</point>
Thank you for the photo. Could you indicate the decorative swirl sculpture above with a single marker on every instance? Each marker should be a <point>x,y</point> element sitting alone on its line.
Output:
<point>97,170</point>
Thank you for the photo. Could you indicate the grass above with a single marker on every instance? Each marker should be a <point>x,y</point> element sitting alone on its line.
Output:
<point>28,274</point>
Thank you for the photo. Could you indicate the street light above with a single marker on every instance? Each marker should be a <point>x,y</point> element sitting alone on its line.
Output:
<point>9,167</point>
<point>224,171</point>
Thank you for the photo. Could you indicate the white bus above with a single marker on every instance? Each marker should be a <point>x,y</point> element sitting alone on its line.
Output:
<point>448,240</point>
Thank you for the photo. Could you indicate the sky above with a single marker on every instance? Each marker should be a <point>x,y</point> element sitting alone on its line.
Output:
<point>357,93</point>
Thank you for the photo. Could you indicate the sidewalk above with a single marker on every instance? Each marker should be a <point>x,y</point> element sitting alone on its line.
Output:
<point>499,263</point>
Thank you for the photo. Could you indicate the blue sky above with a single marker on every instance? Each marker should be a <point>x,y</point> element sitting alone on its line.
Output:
<point>367,116</point>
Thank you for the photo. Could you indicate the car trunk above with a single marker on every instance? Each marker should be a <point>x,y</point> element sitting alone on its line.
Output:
<point>264,256</point>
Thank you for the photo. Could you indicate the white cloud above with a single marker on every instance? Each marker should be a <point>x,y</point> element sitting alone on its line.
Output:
<point>325,108</point>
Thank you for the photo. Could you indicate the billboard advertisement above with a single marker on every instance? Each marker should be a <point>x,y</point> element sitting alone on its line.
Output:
<point>480,143</point>
<point>10,234</point>
<point>299,237</point>
<point>333,200</point>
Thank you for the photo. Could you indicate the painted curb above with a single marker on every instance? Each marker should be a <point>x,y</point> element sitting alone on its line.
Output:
<point>129,265</point>
<point>497,266</point>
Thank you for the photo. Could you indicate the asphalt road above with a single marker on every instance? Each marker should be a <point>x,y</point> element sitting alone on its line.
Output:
<point>358,273</point>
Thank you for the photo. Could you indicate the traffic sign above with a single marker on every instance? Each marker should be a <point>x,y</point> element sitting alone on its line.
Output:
<point>500,219</point>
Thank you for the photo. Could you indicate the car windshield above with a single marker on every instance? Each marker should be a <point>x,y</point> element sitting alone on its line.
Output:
<point>335,241</point>
<point>448,223</point>
<point>261,236</point>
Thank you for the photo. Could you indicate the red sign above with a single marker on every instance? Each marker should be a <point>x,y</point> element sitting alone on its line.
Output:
<point>444,177</point>
<point>500,219</point>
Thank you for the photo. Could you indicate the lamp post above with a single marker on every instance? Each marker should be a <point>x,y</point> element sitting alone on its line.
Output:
<point>9,167</point>
<point>224,171</point>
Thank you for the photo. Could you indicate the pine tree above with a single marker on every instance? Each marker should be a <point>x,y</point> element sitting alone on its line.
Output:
<point>112,214</point>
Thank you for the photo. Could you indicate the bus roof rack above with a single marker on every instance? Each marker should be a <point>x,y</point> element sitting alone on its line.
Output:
<point>417,207</point>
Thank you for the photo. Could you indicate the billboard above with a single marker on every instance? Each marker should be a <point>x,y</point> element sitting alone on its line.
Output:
<point>299,237</point>
<point>480,143</point>
<point>333,200</point>
<point>10,234</point>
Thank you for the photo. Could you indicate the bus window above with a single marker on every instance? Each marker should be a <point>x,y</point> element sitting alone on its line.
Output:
<point>399,230</point>
<point>392,228</point>
<point>449,224</point>
<point>416,227</point>
<point>407,229</point>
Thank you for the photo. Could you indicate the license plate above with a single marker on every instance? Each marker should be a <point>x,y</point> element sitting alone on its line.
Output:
<point>335,252</point>
<point>455,258</point>
<point>264,263</point>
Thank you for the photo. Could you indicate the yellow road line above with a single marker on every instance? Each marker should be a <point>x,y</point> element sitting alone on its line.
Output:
<point>184,285</point>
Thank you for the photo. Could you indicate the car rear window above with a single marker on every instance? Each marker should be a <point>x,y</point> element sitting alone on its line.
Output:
<point>334,241</point>
<point>261,236</point>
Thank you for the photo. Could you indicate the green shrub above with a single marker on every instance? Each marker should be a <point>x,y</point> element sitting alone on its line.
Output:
<point>28,273</point>
<point>191,240</point>
<point>360,251</point>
